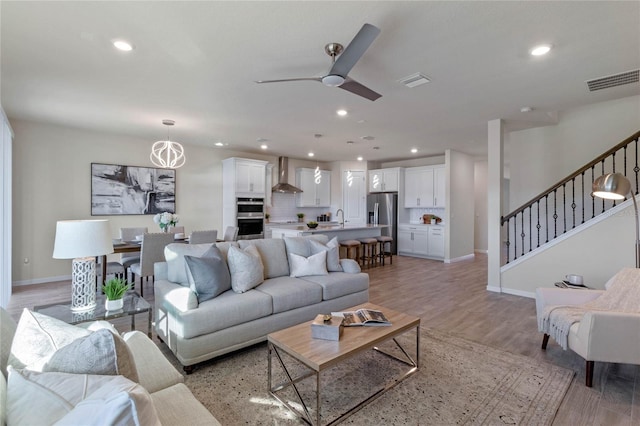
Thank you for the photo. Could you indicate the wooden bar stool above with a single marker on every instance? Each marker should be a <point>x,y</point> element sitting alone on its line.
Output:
<point>369,255</point>
<point>350,246</point>
<point>382,241</point>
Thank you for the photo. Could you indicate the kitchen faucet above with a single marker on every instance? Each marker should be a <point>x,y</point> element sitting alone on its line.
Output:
<point>337,213</point>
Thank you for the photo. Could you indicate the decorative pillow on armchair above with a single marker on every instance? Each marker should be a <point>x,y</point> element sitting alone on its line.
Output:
<point>246,268</point>
<point>42,343</point>
<point>76,399</point>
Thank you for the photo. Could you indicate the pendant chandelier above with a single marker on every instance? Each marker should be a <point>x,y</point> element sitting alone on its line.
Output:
<point>167,154</point>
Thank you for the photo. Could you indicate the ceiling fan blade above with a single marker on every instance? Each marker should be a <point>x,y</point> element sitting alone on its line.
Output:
<point>350,85</point>
<point>290,79</point>
<point>355,50</point>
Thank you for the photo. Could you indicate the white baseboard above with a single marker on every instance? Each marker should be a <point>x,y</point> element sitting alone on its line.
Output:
<point>460,259</point>
<point>41,280</point>
<point>511,291</point>
<point>481,251</point>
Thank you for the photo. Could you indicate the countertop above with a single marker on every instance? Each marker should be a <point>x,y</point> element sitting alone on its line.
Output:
<point>330,227</point>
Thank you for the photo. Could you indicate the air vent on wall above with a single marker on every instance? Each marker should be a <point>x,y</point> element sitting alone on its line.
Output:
<point>613,80</point>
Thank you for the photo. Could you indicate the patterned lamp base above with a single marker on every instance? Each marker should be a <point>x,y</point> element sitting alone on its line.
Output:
<point>83,282</point>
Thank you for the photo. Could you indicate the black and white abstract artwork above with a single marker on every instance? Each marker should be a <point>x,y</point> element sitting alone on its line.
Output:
<point>119,190</point>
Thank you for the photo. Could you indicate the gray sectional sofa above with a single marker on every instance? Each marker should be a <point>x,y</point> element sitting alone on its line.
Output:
<point>197,332</point>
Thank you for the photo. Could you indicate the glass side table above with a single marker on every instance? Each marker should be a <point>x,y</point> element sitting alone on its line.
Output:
<point>133,304</point>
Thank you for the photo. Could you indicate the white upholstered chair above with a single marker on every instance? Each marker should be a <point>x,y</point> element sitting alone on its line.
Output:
<point>151,251</point>
<point>202,237</point>
<point>602,336</point>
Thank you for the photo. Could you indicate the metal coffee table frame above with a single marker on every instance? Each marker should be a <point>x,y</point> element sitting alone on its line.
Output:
<point>305,414</point>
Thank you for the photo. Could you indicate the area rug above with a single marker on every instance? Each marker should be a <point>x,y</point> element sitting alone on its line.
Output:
<point>459,383</point>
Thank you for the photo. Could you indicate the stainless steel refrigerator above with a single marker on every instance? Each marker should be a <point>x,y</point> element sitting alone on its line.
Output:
<point>383,210</point>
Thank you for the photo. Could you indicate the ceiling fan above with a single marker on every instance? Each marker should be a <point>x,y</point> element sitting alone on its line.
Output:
<point>346,59</point>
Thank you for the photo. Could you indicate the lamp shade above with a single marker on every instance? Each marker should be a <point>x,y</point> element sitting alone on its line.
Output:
<point>82,238</point>
<point>612,186</point>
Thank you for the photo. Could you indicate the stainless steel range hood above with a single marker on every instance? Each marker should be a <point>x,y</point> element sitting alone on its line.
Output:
<point>283,185</point>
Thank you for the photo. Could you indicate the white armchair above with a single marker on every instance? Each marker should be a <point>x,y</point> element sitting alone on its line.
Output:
<point>603,336</point>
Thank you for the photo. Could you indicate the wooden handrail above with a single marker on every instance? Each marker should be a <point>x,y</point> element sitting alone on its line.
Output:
<point>573,175</point>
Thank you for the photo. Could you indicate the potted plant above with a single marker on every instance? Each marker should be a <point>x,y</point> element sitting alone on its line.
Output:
<point>300,217</point>
<point>114,289</point>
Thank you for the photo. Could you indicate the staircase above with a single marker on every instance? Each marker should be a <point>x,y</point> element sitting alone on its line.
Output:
<point>568,203</point>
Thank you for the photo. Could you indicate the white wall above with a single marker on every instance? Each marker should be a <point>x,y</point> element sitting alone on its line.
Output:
<point>480,242</point>
<point>459,241</point>
<point>6,147</point>
<point>51,182</point>
<point>596,252</point>
<point>540,157</point>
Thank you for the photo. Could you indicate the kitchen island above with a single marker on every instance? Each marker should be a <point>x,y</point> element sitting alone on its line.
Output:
<point>343,232</point>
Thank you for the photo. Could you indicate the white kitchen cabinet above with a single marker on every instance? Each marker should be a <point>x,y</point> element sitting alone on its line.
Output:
<point>384,180</point>
<point>250,177</point>
<point>244,178</point>
<point>425,187</point>
<point>421,241</point>
<point>413,241</point>
<point>315,192</point>
<point>436,242</point>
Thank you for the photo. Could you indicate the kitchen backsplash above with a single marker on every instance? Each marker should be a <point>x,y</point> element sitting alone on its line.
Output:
<point>283,208</point>
<point>416,214</point>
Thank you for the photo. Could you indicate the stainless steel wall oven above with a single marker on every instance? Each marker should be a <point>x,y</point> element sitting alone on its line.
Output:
<point>250,217</point>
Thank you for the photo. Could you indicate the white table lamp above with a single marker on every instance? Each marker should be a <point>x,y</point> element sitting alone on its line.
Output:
<point>82,241</point>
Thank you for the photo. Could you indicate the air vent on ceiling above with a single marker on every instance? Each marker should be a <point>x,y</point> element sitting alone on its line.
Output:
<point>613,80</point>
<point>415,80</point>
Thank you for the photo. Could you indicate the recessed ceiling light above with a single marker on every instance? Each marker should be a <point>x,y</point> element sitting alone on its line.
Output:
<point>341,112</point>
<point>359,158</point>
<point>311,154</point>
<point>123,45</point>
<point>376,147</point>
<point>414,150</point>
<point>526,109</point>
<point>349,142</point>
<point>540,50</point>
<point>367,138</point>
<point>219,144</point>
<point>264,146</point>
<point>261,140</point>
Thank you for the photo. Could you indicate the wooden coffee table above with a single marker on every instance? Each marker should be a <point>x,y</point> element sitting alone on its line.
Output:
<point>319,355</point>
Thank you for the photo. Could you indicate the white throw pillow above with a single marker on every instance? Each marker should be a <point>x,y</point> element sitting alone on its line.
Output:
<point>73,399</point>
<point>245,267</point>
<point>333,253</point>
<point>305,266</point>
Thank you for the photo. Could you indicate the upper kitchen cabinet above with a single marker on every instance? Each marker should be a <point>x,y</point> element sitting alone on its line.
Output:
<point>316,190</point>
<point>384,180</point>
<point>249,176</point>
<point>425,187</point>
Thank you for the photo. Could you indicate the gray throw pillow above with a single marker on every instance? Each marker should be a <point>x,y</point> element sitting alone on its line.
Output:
<point>208,275</point>
<point>333,253</point>
<point>246,268</point>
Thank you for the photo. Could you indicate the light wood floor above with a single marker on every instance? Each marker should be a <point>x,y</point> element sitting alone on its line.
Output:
<point>453,297</point>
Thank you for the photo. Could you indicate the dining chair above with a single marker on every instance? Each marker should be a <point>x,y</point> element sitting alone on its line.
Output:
<point>202,237</point>
<point>128,259</point>
<point>177,230</point>
<point>231,233</point>
<point>151,251</point>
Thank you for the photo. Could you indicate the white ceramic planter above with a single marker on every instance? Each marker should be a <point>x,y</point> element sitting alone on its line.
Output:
<point>113,305</point>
